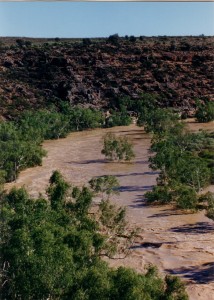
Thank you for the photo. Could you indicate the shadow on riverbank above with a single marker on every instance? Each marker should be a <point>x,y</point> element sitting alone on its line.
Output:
<point>199,274</point>
<point>200,227</point>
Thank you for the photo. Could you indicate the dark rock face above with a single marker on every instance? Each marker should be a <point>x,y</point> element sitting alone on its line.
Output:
<point>179,69</point>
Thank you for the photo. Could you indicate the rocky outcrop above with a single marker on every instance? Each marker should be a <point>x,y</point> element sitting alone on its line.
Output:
<point>179,69</point>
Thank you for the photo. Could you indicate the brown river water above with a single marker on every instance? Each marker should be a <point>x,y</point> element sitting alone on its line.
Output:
<point>177,242</point>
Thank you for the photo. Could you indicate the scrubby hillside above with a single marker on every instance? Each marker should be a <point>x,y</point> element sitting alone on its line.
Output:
<point>97,72</point>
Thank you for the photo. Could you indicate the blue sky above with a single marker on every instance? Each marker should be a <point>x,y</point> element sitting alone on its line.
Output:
<point>100,19</point>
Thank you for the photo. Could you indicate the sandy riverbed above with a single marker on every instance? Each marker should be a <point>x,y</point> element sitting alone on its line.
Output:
<point>177,243</point>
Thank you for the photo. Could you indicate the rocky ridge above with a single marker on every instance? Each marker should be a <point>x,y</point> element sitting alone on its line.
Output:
<point>98,73</point>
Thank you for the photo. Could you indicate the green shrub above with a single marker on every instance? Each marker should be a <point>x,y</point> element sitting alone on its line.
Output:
<point>18,150</point>
<point>82,118</point>
<point>159,194</point>
<point>118,119</point>
<point>210,213</point>
<point>117,148</point>
<point>105,184</point>
<point>207,197</point>
<point>175,289</point>
<point>186,198</point>
<point>207,154</point>
<point>192,171</point>
<point>205,112</point>
<point>44,124</point>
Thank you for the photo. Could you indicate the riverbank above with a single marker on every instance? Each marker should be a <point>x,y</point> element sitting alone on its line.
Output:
<point>176,242</point>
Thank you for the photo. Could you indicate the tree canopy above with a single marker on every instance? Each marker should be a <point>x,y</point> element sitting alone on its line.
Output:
<point>183,159</point>
<point>117,148</point>
<point>51,249</point>
<point>204,111</point>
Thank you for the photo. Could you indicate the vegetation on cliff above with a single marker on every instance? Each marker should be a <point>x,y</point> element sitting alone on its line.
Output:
<point>35,74</point>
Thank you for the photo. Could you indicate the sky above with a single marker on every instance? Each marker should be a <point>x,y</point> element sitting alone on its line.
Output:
<point>101,19</point>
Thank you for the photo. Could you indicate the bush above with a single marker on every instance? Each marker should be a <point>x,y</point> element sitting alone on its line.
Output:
<point>208,199</point>
<point>105,184</point>
<point>117,148</point>
<point>186,198</point>
<point>207,154</point>
<point>210,213</point>
<point>175,289</point>
<point>118,119</point>
<point>132,38</point>
<point>192,171</point>
<point>20,42</point>
<point>205,112</point>
<point>86,41</point>
<point>114,39</point>
<point>160,121</point>
<point>2,179</point>
<point>159,194</point>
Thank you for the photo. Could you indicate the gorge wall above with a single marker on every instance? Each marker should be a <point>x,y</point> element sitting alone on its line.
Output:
<point>97,72</point>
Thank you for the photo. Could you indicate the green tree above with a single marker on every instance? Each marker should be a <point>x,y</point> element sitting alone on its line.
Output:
<point>44,124</point>
<point>174,289</point>
<point>107,184</point>
<point>16,152</point>
<point>210,212</point>
<point>20,141</point>
<point>51,248</point>
<point>208,200</point>
<point>186,197</point>
<point>117,148</point>
<point>184,160</point>
<point>159,121</point>
<point>118,118</point>
<point>57,190</point>
<point>204,111</point>
<point>87,118</point>
<point>159,194</point>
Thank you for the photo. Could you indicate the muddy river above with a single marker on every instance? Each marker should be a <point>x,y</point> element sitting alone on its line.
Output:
<point>178,243</point>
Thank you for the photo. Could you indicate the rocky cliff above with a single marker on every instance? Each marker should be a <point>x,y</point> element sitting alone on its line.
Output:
<point>96,73</point>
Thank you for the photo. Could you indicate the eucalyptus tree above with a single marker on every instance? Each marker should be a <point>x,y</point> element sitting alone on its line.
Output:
<point>50,248</point>
<point>117,148</point>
